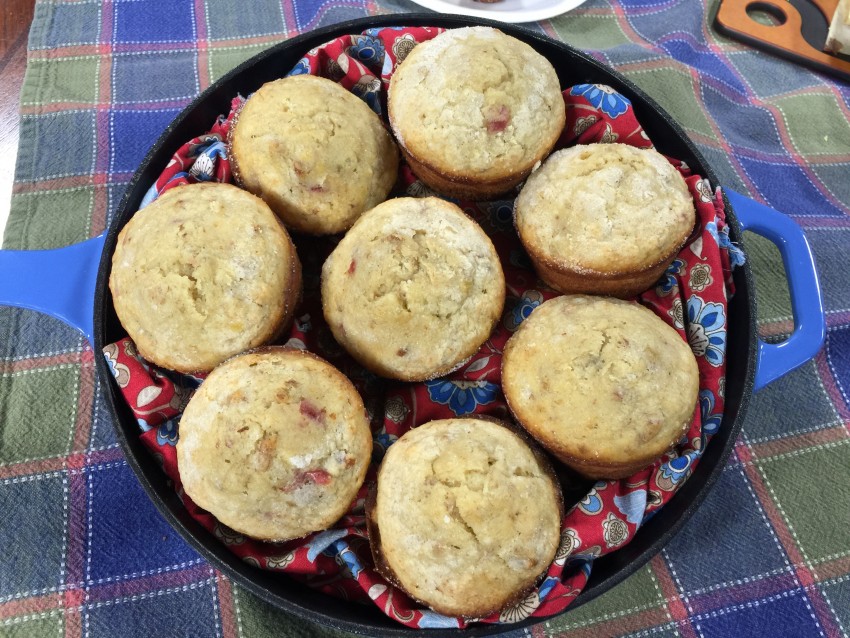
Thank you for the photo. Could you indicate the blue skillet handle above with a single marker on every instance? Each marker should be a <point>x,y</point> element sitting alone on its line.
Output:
<point>57,282</point>
<point>775,360</point>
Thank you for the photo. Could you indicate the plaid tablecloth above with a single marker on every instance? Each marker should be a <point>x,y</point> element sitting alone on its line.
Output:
<point>86,554</point>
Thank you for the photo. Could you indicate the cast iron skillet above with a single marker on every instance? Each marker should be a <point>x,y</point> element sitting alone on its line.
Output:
<point>75,278</point>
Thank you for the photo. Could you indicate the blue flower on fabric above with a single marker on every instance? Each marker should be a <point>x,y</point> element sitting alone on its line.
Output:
<point>368,50</point>
<point>710,420</point>
<point>376,31</point>
<point>736,255</point>
<point>546,586</point>
<point>322,541</point>
<point>206,156</point>
<point>370,97</point>
<point>302,67</point>
<point>668,281</point>
<point>166,433</point>
<point>584,561</point>
<point>385,439</point>
<point>346,558</point>
<point>707,330</point>
<point>591,504</point>
<point>675,470</point>
<point>151,194</point>
<point>205,143</point>
<point>523,308</point>
<point>433,620</point>
<point>632,505</point>
<point>462,397</point>
<point>603,98</point>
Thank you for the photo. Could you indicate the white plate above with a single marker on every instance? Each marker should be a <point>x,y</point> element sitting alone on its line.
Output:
<point>504,10</point>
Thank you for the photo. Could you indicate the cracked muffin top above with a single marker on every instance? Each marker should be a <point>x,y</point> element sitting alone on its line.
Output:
<point>202,273</point>
<point>314,151</point>
<point>413,289</point>
<point>466,516</point>
<point>275,444</point>
<point>604,218</point>
<point>603,384</point>
<point>475,106</point>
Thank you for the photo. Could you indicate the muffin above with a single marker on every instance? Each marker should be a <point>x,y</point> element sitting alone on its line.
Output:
<point>315,152</point>
<point>603,384</point>
<point>202,273</point>
<point>466,516</point>
<point>413,289</point>
<point>275,444</point>
<point>474,110</point>
<point>604,218</point>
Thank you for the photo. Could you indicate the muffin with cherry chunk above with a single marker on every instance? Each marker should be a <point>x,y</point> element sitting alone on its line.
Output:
<point>275,444</point>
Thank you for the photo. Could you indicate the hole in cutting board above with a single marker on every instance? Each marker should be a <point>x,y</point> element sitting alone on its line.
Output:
<point>767,14</point>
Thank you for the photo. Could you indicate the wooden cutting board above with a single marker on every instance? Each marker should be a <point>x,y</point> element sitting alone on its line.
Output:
<point>798,34</point>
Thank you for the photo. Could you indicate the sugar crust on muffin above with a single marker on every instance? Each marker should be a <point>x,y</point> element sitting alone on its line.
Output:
<point>314,151</point>
<point>413,289</point>
<point>202,273</point>
<point>466,516</point>
<point>474,110</point>
<point>604,384</point>
<point>275,444</point>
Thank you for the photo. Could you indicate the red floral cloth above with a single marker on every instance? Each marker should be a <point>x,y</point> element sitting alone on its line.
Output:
<point>691,297</point>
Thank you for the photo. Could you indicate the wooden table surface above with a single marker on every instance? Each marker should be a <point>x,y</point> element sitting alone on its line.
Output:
<point>15,18</point>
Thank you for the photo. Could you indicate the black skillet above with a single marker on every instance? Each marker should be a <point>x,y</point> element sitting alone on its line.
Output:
<point>63,283</point>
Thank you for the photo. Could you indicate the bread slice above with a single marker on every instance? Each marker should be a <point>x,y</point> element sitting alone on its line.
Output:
<point>838,38</point>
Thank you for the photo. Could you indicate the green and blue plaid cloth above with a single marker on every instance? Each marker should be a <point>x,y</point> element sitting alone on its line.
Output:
<point>84,551</point>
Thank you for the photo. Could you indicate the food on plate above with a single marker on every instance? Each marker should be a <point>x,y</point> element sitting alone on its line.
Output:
<point>604,384</point>
<point>604,218</point>
<point>275,444</point>
<point>838,38</point>
<point>466,516</point>
<point>202,273</point>
<point>413,289</point>
<point>474,110</point>
<point>314,151</point>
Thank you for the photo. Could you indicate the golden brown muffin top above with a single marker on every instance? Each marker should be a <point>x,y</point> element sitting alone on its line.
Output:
<point>202,273</point>
<point>476,102</point>
<point>606,208</point>
<point>314,151</point>
<point>275,443</point>
<point>600,379</point>
<point>468,515</point>
<point>413,289</point>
